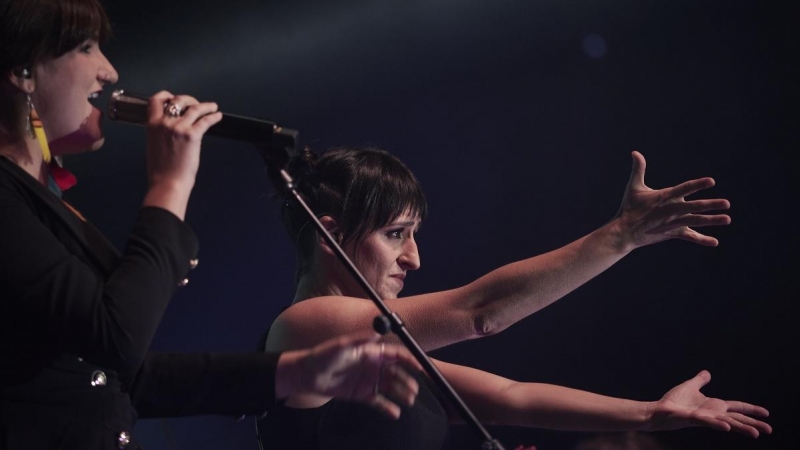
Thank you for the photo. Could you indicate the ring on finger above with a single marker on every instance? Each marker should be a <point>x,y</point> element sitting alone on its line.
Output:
<point>173,109</point>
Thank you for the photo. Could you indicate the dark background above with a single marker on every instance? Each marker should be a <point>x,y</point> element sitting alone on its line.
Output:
<point>518,117</point>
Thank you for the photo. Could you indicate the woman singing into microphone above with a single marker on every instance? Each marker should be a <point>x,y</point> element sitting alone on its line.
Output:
<point>77,316</point>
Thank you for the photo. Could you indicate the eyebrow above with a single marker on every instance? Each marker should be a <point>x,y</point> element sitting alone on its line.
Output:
<point>408,223</point>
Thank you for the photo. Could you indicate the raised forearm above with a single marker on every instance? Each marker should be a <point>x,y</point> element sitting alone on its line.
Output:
<point>512,292</point>
<point>171,196</point>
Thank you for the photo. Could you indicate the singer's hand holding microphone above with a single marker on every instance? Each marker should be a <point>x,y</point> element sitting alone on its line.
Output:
<point>175,128</point>
<point>176,125</point>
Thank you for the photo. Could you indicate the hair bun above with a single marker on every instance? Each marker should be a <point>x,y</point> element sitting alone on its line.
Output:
<point>303,163</point>
<point>300,166</point>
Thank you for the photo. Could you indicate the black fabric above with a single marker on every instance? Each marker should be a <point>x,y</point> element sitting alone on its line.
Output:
<point>71,306</point>
<point>339,425</point>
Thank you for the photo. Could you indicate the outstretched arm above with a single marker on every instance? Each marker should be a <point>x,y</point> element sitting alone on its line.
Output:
<point>354,367</point>
<point>506,295</point>
<point>645,217</point>
<point>502,401</point>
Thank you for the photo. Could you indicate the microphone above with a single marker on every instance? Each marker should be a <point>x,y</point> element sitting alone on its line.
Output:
<point>132,108</point>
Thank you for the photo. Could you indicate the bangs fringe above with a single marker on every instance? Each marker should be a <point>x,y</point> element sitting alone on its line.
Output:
<point>79,20</point>
<point>380,194</point>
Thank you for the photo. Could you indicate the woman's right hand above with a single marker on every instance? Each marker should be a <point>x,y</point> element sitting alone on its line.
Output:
<point>351,367</point>
<point>173,148</point>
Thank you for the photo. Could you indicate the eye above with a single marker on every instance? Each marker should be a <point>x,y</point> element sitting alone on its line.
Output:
<point>87,47</point>
<point>395,234</point>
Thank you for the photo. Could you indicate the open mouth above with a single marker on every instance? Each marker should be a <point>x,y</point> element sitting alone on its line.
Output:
<point>94,99</point>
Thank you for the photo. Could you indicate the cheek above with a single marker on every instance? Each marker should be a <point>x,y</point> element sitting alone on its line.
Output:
<point>380,256</point>
<point>61,103</point>
<point>59,117</point>
<point>368,260</point>
<point>87,136</point>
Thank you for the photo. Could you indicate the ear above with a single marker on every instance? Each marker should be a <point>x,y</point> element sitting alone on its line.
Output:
<point>332,227</point>
<point>22,79</point>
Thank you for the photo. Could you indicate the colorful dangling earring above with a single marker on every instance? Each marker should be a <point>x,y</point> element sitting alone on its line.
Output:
<point>37,130</point>
<point>28,126</point>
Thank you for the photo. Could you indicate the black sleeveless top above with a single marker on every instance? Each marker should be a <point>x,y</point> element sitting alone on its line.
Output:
<point>346,425</point>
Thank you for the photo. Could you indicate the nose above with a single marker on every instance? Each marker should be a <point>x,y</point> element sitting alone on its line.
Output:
<point>106,74</point>
<point>409,259</point>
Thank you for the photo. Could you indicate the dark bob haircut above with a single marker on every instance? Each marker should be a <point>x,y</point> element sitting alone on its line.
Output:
<point>364,189</point>
<point>33,30</point>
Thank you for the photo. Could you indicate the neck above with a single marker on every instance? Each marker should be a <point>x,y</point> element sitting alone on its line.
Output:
<point>312,285</point>
<point>326,278</point>
<point>25,152</point>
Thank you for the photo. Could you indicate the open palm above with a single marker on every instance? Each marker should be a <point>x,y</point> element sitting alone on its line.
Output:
<point>685,406</point>
<point>647,216</point>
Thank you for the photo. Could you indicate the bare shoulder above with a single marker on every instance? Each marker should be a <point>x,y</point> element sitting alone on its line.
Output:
<point>312,321</point>
<point>436,320</point>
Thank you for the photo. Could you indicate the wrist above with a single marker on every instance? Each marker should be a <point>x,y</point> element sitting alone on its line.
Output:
<point>647,414</point>
<point>172,183</point>
<point>617,238</point>
<point>288,374</point>
<point>171,195</point>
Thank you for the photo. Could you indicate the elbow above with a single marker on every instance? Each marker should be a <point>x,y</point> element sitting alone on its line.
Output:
<point>128,352</point>
<point>486,323</point>
<point>119,352</point>
<point>127,362</point>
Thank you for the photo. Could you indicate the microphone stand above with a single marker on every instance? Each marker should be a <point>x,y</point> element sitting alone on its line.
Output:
<point>277,144</point>
<point>276,157</point>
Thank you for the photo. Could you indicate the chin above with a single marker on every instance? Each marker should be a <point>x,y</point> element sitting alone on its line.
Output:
<point>74,144</point>
<point>391,295</point>
<point>82,140</point>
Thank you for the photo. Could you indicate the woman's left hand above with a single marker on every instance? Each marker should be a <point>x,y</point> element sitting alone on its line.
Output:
<point>647,216</point>
<point>685,406</point>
